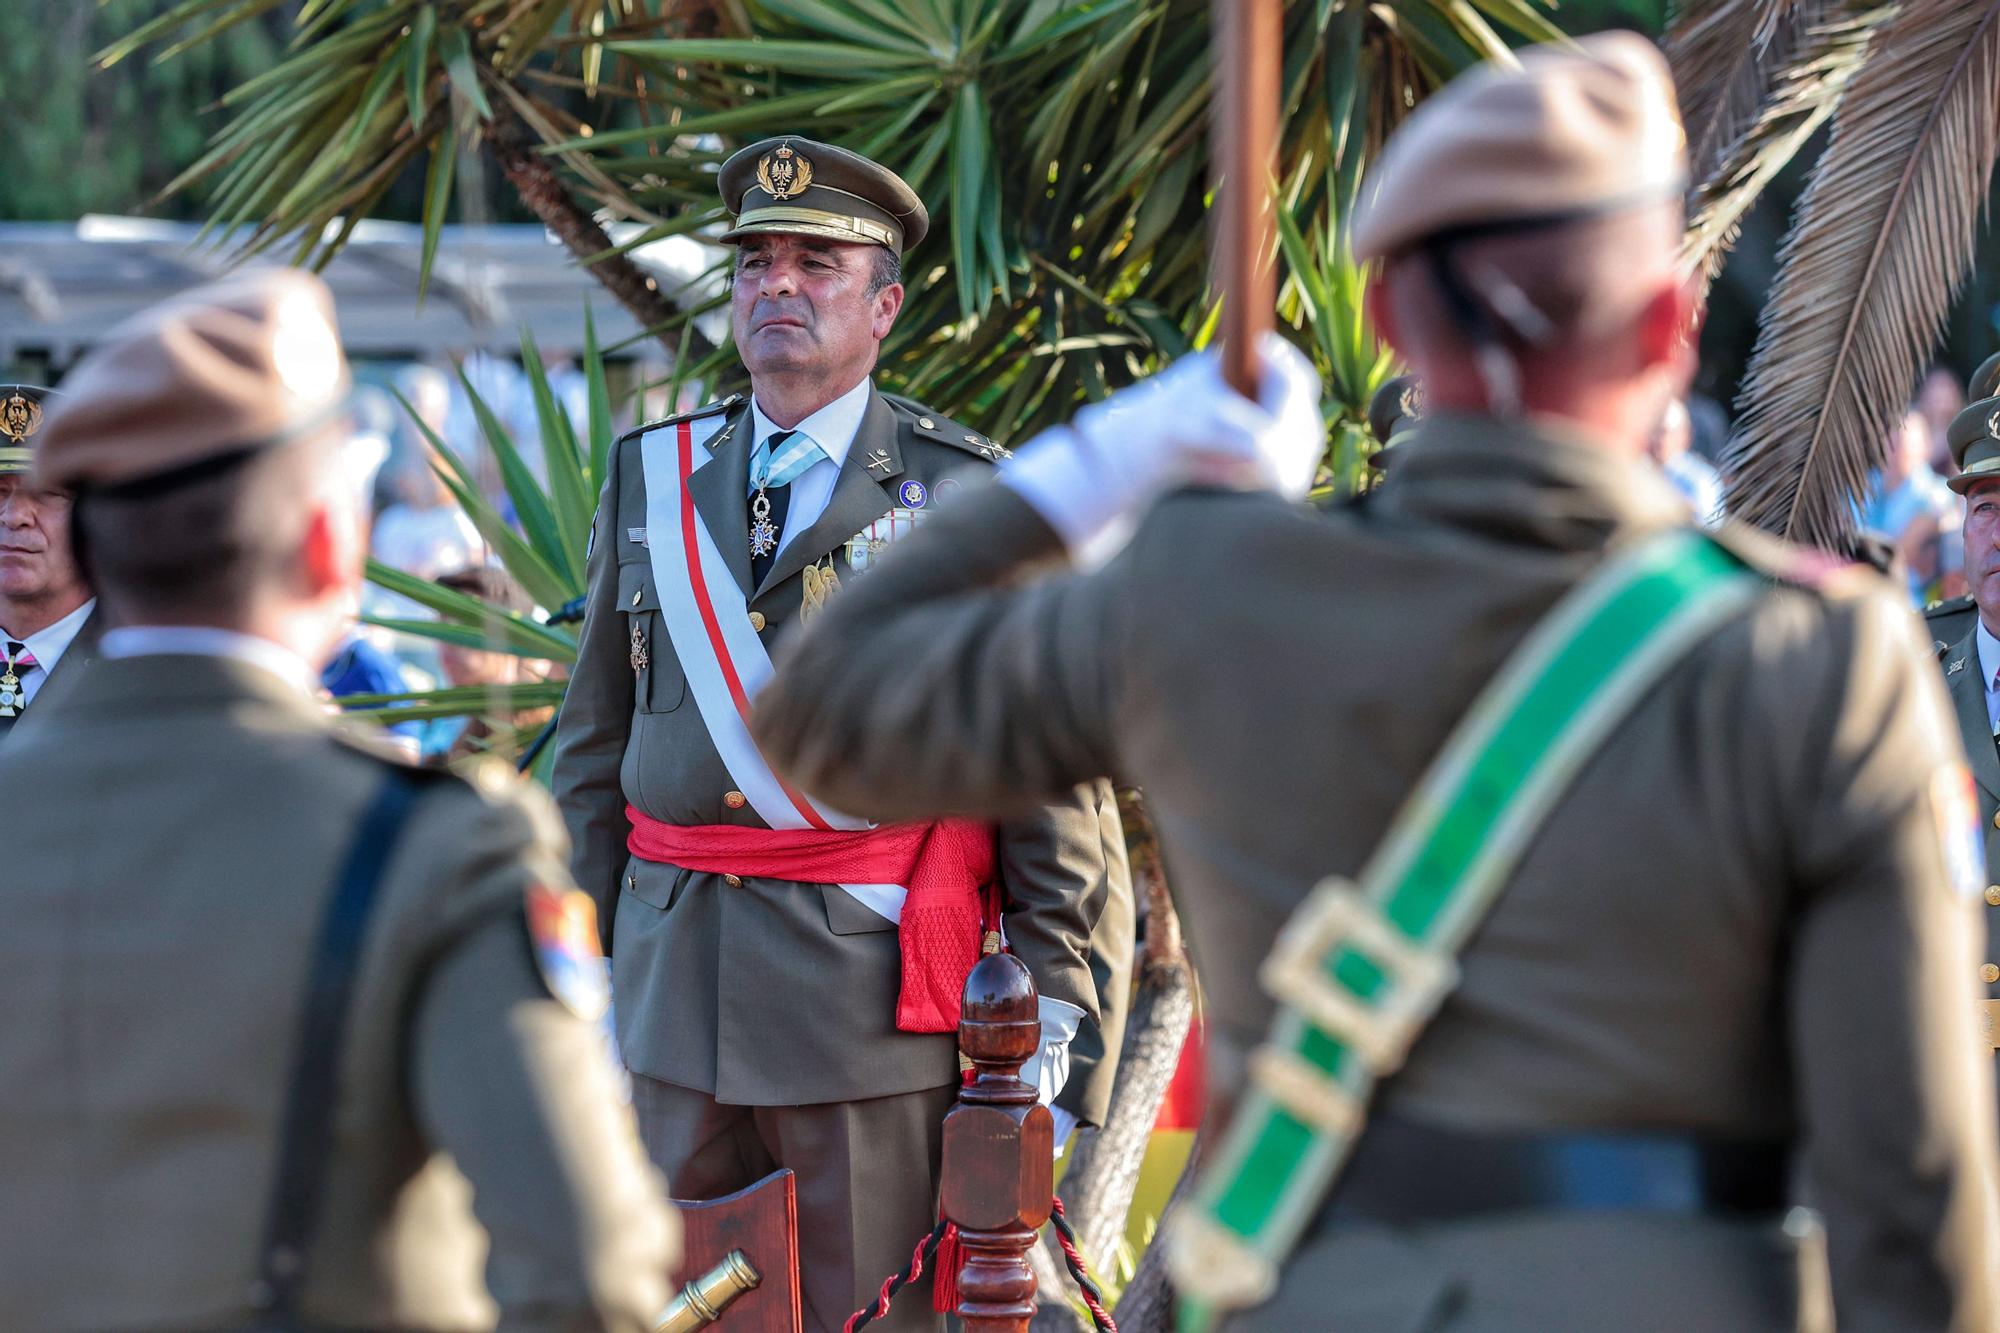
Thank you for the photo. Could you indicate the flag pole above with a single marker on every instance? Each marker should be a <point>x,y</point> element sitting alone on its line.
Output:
<point>1246,36</point>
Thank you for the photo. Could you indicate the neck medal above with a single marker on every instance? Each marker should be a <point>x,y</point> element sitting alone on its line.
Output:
<point>763,533</point>
<point>12,697</point>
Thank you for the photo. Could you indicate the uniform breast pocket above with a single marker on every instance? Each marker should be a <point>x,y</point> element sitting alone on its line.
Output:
<point>659,685</point>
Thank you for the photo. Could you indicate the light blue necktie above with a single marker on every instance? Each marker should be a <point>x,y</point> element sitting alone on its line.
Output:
<point>781,458</point>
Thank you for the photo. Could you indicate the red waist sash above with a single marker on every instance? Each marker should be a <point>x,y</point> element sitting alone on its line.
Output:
<point>946,868</point>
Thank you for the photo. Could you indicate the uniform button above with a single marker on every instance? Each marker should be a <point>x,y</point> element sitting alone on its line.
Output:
<point>734,800</point>
<point>1993,894</point>
<point>1990,973</point>
<point>757,621</point>
<point>733,881</point>
<point>927,423</point>
<point>637,593</point>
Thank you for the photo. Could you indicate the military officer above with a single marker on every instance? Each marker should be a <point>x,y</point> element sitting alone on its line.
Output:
<point>786,977</point>
<point>1951,619</point>
<point>302,1036</point>
<point>48,622</point>
<point>1629,984</point>
<point>1971,661</point>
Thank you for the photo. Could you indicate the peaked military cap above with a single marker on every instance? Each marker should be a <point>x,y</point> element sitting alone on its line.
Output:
<point>794,186</point>
<point>21,407</point>
<point>199,382</point>
<point>1575,131</point>
<point>1985,381</point>
<point>1974,437</point>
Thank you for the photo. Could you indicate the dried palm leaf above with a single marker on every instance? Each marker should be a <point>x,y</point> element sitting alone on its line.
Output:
<point>1724,55</point>
<point>1825,43</point>
<point>1883,238</point>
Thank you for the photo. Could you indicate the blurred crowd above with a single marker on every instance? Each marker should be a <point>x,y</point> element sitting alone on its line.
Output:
<point>1908,520</point>
<point>420,529</point>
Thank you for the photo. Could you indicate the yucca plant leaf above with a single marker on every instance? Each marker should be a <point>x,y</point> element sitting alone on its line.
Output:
<point>455,50</point>
<point>1883,236</point>
<point>417,63</point>
<point>601,430</point>
<point>531,503</point>
<point>569,499</point>
<point>437,202</point>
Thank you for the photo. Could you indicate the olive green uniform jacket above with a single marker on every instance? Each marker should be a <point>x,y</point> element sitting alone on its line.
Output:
<point>1962,678</point>
<point>166,873</point>
<point>1737,924</point>
<point>63,677</point>
<point>764,992</point>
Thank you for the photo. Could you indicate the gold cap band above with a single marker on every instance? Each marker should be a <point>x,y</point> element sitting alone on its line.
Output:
<point>814,222</point>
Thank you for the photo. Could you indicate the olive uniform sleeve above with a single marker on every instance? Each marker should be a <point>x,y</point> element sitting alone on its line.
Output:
<point>522,1094</point>
<point>952,679</point>
<point>520,1090</point>
<point>596,721</point>
<point>1894,1082</point>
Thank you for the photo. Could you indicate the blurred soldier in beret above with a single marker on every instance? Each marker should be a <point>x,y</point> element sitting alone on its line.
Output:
<point>1655,895</point>
<point>48,625</point>
<point>300,1036</point>
<point>787,977</point>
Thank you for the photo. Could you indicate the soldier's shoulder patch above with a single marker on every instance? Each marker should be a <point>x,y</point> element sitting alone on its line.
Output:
<point>1955,805</point>
<point>562,928</point>
<point>926,424</point>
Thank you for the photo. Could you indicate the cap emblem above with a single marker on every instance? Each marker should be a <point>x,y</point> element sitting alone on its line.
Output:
<point>784,173</point>
<point>1993,425</point>
<point>20,416</point>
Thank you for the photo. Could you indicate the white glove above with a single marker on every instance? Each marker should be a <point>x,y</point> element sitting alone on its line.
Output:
<point>1094,478</point>
<point>1049,1069</point>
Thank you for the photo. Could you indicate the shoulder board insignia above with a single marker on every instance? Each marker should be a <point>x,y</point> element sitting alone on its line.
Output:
<point>705,410</point>
<point>937,427</point>
<point>1951,606</point>
<point>562,926</point>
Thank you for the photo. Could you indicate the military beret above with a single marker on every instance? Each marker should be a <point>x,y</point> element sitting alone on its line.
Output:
<point>794,186</point>
<point>1974,437</point>
<point>21,407</point>
<point>1575,131</point>
<point>210,375</point>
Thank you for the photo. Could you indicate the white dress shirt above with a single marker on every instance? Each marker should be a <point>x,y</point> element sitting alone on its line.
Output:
<point>833,429</point>
<point>1989,668</point>
<point>48,644</point>
<point>203,641</point>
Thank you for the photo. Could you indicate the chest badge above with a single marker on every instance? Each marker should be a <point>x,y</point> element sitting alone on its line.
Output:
<point>912,495</point>
<point>640,657</point>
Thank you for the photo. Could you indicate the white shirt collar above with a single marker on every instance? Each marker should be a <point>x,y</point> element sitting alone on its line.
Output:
<point>49,643</point>
<point>832,428</point>
<point>204,641</point>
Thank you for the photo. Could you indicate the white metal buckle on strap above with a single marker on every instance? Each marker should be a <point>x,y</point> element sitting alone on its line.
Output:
<point>1381,1029</point>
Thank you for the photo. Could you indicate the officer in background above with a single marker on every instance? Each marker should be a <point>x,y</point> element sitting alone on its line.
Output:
<point>1951,619</point>
<point>300,1034</point>
<point>786,978</point>
<point>48,626</point>
<point>1971,663</point>
<point>1742,936</point>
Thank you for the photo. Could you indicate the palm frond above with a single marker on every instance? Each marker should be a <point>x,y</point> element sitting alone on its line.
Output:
<point>1883,238</point>
<point>1823,47</point>
<point>1726,56</point>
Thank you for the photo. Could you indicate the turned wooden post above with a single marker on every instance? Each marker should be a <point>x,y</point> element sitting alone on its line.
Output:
<point>999,1155</point>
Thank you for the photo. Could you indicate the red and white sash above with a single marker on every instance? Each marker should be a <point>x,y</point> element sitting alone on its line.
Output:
<point>708,620</point>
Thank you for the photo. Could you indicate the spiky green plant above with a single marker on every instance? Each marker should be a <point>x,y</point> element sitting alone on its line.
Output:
<point>543,550</point>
